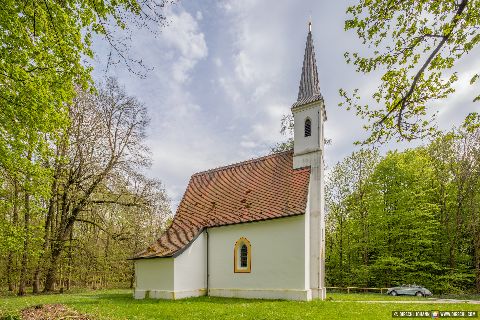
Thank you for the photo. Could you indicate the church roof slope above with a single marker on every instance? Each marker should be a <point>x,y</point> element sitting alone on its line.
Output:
<point>254,190</point>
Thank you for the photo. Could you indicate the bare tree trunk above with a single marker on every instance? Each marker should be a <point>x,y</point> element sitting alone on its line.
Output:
<point>61,235</point>
<point>69,216</point>
<point>70,260</point>
<point>48,227</point>
<point>36,276</point>
<point>9,271</point>
<point>52,269</point>
<point>10,260</point>
<point>57,250</point>
<point>477,265</point>
<point>23,272</point>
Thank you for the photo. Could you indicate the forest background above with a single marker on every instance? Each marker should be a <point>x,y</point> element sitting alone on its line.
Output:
<point>407,217</point>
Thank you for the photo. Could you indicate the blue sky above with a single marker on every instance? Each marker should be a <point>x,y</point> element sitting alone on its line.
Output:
<point>224,72</point>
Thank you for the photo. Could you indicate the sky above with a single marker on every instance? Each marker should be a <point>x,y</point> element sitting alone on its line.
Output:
<point>223,73</point>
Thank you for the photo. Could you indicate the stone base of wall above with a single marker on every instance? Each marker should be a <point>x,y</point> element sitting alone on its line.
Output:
<point>170,295</point>
<point>283,294</point>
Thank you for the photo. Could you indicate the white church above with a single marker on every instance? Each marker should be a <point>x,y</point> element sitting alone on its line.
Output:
<point>253,229</point>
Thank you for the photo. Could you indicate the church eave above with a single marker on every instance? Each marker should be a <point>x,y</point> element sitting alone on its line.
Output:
<point>307,101</point>
<point>301,105</point>
<point>181,250</point>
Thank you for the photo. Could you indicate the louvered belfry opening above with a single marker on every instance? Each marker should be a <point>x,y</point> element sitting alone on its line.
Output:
<point>308,128</point>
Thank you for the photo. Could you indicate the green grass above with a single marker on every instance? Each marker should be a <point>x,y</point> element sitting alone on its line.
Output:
<point>119,304</point>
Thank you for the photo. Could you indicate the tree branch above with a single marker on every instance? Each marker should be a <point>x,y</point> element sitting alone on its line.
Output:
<point>402,103</point>
<point>92,223</point>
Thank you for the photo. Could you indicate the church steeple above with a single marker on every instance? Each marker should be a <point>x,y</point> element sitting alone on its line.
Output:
<point>309,117</point>
<point>309,89</point>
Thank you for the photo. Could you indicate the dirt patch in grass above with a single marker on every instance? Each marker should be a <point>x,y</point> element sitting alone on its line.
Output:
<point>51,312</point>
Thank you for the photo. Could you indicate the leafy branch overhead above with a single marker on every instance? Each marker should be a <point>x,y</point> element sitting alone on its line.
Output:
<point>416,45</point>
<point>46,46</point>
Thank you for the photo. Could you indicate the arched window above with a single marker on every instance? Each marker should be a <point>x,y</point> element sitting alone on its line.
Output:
<point>242,256</point>
<point>308,127</point>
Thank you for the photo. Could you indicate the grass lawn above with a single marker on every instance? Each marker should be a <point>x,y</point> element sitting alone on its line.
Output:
<point>119,304</point>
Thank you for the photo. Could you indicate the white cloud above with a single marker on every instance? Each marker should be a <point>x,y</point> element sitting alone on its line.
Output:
<point>248,144</point>
<point>237,6</point>
<point>211,112</point>
<point>187,43</point>
<point>203,117</point>
<point>453,110</point>
<point>244,68</point>
<point>218,62</point>
<point>256,59</point>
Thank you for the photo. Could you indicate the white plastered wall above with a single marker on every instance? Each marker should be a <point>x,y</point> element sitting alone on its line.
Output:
<point>278,269</point>
<point>173,278</point>
<point>190,270</point>
<point>302,144</point>
<point>153,278</point>
<point>308,151</point>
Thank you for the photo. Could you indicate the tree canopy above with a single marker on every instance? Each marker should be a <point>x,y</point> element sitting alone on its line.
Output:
<point>416,45</point>
<point>407,217</point>
<point>59,159</point>
<point>99,209</point>
<point>43,51</point>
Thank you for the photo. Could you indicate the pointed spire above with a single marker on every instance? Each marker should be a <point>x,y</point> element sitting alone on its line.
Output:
<point>309,89</point>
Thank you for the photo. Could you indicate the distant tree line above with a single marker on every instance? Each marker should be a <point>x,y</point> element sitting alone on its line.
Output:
<point>407,217</point>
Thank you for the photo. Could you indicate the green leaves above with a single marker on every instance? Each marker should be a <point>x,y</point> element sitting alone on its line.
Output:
<point>415,42</point>
<point>474,78</point>
<point>472,122</point>
<point>407,217</point>
<point>44,51</point>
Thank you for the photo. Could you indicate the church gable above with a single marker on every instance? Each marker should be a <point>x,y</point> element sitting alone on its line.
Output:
<point>254,190</point>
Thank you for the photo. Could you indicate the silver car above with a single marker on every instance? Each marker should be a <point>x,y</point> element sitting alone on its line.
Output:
<point>410,290</point>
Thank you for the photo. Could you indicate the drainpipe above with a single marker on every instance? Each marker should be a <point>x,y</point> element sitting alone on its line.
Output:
<point>320,142</point>
<point>208,273</point>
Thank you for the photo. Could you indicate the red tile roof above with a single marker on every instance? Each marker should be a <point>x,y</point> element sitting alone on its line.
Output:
<point>254,190</point>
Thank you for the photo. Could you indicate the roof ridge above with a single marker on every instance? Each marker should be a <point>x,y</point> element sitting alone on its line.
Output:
<point>236,164</point>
